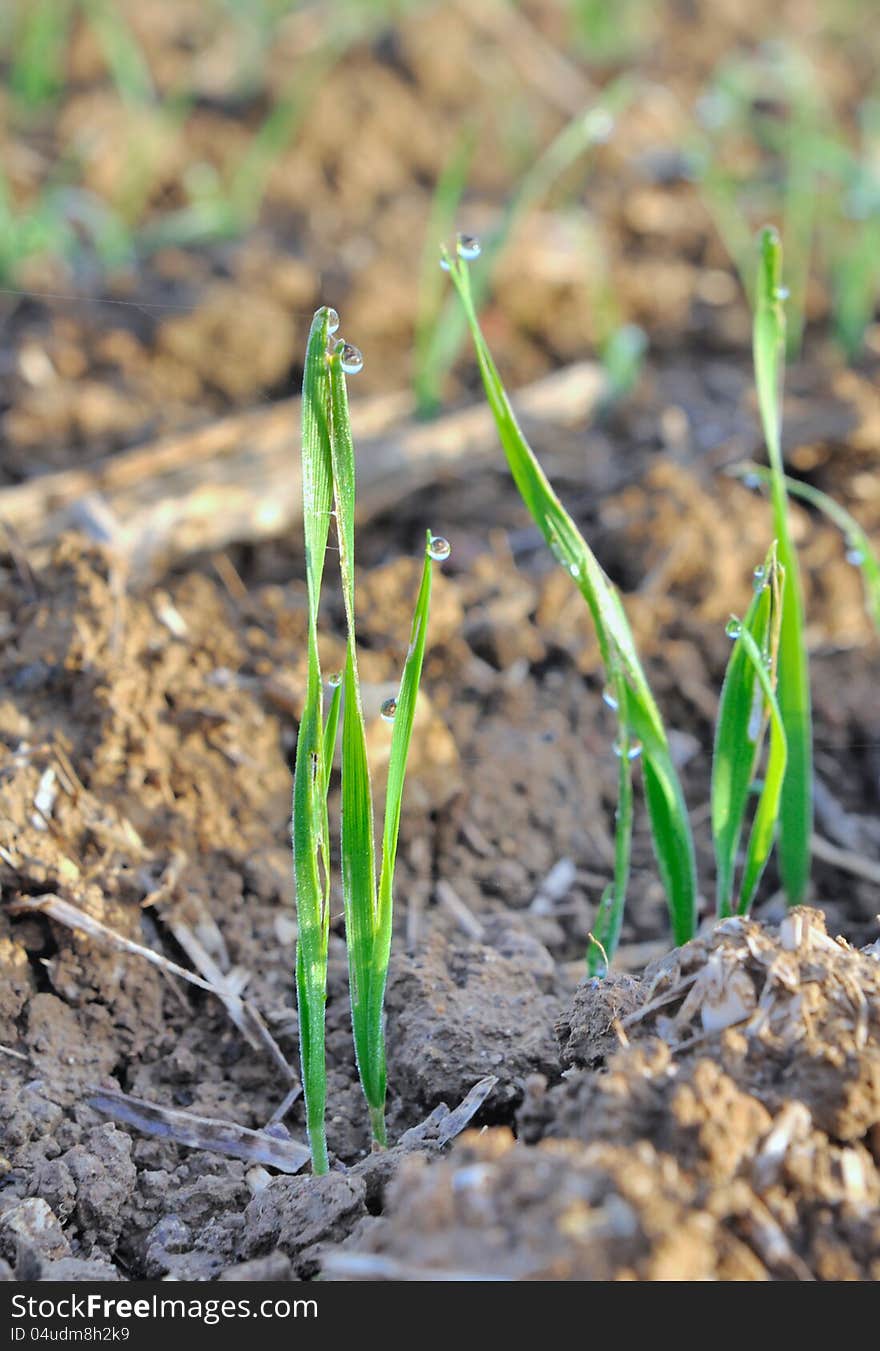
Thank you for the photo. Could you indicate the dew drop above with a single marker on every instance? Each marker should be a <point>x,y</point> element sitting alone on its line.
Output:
<point>855,556</point>
<point>782,293</point>
<point>445,264</point>
<point>351,359</point>
<point>756,716</point>
<point>335,680</point>
<point>599,124</point>
<point>609,698</point>
<point>751,481</point>
<point>733,627</point>
<point>332,319</point>
<point>759,577</point>
<point>439,548</point>
<point>468,247</point>
<point>633,751</point>
<point>388,709</point>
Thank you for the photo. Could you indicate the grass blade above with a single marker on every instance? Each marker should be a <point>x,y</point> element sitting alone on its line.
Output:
<point>404,717</point>
<point>368,914</point>
<point>767,812</point>
<point>311,852</point>
<point>793,690</point>
<point>609,918</point>
<point>358,839</point>
<point>741,724</point>
<point>670,826</point>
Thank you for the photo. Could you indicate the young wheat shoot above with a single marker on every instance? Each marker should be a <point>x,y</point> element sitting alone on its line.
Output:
<point>329,483</point>
<point>368,911</point>
<point>748,700</point>
<point>793,688</point>
<point>639,717</point>
<point>311,836</point>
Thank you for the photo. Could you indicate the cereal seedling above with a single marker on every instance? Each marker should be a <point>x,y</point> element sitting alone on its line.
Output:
<point>793,691</point>
<point>640,725</point>
<point>311,835</point>
<point>329,488</point>
<point>748,700</point>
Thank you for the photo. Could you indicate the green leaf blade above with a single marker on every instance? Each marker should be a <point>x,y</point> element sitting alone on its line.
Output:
<point>793,688</point>
<point>673,841</point>
<point>311,858</point>
<point>358,845</point>
<point>767,813</point>
<point>740,727</point>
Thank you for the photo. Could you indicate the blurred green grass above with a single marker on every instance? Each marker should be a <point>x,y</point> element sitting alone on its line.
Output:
<point>769,134</point>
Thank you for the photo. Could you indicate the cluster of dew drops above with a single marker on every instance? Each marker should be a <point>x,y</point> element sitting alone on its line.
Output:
<point>351,357</point>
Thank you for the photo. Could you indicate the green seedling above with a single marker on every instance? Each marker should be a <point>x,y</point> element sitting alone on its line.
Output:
<point>765,686</point>
<point>368,912</point>
<point>605,937</point>
<point>329,489</point>
<point>35,36</point>
<point>811,174</point>
<point>748,700</point>
<point>311,834</point>
<point>608,33</point>
<point>793,690</point>
<point>641,731</point>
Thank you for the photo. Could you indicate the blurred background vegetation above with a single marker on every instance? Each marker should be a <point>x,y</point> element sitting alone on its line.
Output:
<point>221,166</point>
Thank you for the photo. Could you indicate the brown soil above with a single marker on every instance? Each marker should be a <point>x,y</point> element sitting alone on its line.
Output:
<point>734,1136</point>
<point>148,743</point>
<point>636,1128</point>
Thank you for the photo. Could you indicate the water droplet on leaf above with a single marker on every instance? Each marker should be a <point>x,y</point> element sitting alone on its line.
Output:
<point>388,709</point>
<point>759,577</point>
<point>332,319</point>
<point>633,750</point>
<point>335,680</point>
<point>351,359</point>
<point>608,697</point>
<point>855,556</point>
<point>439,548</point>
<point>598,125</point>
<point>756,714</point>
<point>733,627</point>
<point>468,247</point>
<point>782,293</point>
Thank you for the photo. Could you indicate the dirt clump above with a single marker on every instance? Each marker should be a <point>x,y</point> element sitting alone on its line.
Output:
<point>459,1011</point>
<point>294,1214</point>
<point>734,1134</point>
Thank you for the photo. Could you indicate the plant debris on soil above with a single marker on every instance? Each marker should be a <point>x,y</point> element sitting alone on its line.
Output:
<point>708,1113</point>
